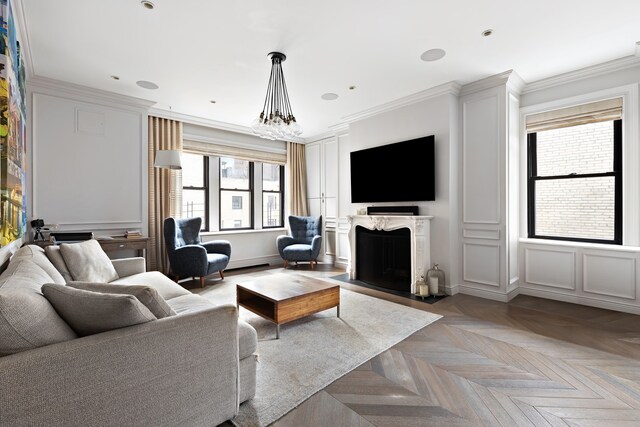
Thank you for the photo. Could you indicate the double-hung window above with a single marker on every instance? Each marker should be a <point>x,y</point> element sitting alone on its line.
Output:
<point>574,187</point>
<point>236,193</point>
<point>195,188</point>
<point>232,188</point>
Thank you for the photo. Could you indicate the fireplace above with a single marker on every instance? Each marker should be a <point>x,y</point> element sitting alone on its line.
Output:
<point>388,268</point>
<point>384,258</point>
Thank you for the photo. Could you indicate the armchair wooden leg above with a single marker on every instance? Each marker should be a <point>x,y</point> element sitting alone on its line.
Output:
<point>286,263</point>
<point>313,262</point>
<point>222,274</point>
<point>202,281</point>
<point>176,278</point>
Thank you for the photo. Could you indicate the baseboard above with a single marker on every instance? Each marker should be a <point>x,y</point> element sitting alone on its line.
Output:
<point>582,300</point>
<point>483,293</point>
<point>452,289</point>
<point>249,262</point>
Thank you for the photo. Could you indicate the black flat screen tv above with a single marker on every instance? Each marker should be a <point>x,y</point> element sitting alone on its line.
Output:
<point>399,172</point>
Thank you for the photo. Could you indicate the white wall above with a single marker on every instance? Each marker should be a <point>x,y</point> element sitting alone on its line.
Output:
<point>427,117</point>
<point>87,158</point>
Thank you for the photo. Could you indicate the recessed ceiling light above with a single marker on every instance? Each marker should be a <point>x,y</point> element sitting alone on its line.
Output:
<point>329,96</point>
<point>352,87</point>
<point>433,55</point>
<point>147,4</point>
<point>212,101</point>
<point>115,77</point>
<point>146,84</point>
<point>487,33</point>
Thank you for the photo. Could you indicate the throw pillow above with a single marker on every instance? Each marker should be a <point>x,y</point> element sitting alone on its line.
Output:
<point>145,294</point>
<point>37,255</point>
<point>88,262</point>
<point>90,313</point>
<point>55,256</point>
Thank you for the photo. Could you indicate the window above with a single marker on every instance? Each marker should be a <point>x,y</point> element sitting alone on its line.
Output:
<point>195,188</point>
<point>272,199</point>
<point>236,193</point>
<point>575,176</point>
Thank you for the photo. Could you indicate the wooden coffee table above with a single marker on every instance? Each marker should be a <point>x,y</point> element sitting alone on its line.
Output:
<point>283,298</point>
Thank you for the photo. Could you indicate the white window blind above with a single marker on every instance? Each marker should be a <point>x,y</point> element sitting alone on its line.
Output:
<point>219,150</point>
<point>600,111</point>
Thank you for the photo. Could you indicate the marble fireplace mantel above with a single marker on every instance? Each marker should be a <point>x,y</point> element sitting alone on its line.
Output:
<point>420,229</point>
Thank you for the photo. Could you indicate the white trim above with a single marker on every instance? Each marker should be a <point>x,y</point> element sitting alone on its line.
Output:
<point>61,89</point>
<point>484,293</point>
<point>443,89</point>
<point>234,232</point>
<point>340,128</point>
<point>582,299</point>
<point>508,78</point>
<point>321,136</point>
<point>638,49</point>
<point>570,244</point>
<point>584,73</point>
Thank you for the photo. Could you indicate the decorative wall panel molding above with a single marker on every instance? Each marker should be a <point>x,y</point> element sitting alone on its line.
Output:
<point>481,263</point>
<point>550,267</point>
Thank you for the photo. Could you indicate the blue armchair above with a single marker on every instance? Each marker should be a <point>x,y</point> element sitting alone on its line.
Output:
<point>188,255</point>
<point>304,242</point>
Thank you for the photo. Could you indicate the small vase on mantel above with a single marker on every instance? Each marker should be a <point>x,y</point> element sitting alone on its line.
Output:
<point>435,280</point>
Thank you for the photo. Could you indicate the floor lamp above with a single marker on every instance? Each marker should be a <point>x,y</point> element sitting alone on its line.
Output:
<point>169,159</point>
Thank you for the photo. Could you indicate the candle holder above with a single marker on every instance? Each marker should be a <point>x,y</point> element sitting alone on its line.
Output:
<point>436,281</point>
<point>422,289</point>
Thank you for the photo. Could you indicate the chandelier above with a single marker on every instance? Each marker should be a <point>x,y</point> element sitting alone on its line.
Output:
<point>276,121</point>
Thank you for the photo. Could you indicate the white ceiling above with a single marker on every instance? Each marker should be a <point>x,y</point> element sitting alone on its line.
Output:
<point>199,50</point>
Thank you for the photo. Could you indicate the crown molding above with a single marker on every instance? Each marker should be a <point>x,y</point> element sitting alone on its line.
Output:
<point>340,129</point>
<point>49,86</point>
<point>447,88</point>
<point>515,83</point>
<point>23,32</point>
<point>320,137</point>
<point>210,123</point>
<point>585,73</point>
<point>509,78</point>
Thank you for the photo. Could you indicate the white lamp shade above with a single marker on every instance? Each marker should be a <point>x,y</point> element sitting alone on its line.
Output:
<point>169,159</point>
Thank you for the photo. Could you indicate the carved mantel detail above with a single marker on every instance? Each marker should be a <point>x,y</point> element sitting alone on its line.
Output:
<point>419,227</point>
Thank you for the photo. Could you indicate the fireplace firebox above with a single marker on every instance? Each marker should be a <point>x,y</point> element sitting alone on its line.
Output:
<point>384,258</point>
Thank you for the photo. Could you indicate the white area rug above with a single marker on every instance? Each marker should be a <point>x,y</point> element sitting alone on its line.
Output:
<point>315,351</point>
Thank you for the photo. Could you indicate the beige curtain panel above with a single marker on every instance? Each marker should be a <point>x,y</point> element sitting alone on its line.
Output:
<point>165,188</point>
<point>610,109</point>
<point>297,179</point>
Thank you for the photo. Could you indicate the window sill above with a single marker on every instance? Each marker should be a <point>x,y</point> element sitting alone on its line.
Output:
<point>586,245</point>
<point>231,232</point>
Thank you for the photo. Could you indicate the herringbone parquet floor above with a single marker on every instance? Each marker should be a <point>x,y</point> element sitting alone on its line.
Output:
<point>530,362</point>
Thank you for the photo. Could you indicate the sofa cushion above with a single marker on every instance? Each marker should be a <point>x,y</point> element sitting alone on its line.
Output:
<point>145,294</point>
<point>247,339</point>
<point>166,287</point>
<point>55,256</point>
<point>189,303</point>
<point>88,262</point>
<point>247,335</point>
<point>90,313</point>
<point>27,320</point>
<point>37,255</point>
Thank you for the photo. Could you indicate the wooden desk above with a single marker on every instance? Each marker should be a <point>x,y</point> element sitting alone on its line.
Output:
<point>140,245</point>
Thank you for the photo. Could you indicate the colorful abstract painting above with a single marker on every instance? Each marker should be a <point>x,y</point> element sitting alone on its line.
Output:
<point>13,222</point>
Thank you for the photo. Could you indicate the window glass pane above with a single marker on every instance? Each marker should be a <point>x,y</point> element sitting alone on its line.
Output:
<point>235,218</point>
<point>270,177</point>
<point>193,204</point>
<point>576,149</point>
<point>192,170</point>
<point>271,210</point>
<point>234,174</point>
<point>577,207</point>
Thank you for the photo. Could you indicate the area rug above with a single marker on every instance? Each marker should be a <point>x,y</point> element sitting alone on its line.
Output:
<point>315,351</point>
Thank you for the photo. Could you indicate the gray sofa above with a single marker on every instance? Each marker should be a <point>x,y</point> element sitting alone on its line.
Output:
<point>192,368</point>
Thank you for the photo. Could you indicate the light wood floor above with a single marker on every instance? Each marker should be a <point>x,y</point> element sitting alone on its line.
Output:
<point>529,362</point>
